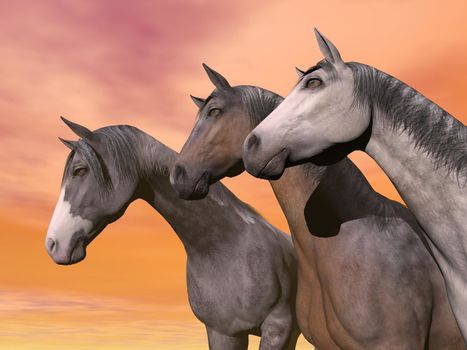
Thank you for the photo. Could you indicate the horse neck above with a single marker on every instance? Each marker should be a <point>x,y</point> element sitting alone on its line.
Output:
<point>436,147</point>
<point>416,133</point>
<point>423,151</point>
<point>318,200</point>
<point>199,224</point>
<point>328,196</point>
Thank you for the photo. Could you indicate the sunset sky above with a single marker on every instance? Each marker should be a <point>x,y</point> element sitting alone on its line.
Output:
<point>119,62</point>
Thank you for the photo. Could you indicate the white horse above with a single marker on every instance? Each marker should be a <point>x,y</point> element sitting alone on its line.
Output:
<point>337,107</point>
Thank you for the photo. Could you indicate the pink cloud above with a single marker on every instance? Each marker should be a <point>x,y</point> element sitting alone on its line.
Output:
<point>98,63</point>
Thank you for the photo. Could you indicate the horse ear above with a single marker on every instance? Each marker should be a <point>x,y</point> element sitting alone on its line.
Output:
<point>198,101</point>
<point>70,144</point>
<point>300,73</point>
<point>79,130</point>
<point>218,80</point>
<point>328,49</point>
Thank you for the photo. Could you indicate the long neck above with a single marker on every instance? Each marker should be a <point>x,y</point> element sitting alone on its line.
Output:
<point>423,150</point>
<point>421,172</point>
<point>199,224</point>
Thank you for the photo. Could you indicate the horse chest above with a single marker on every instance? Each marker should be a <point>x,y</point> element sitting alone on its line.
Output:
<point>317,281</point>
<point>311,314</point>
<point>318,320</point>
<point>225,299</point>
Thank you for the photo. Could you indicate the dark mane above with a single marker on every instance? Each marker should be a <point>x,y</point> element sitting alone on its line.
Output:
<point>433,130</point>
<point>122,144</point>
<point>135,154</point>
<point>259,102</point>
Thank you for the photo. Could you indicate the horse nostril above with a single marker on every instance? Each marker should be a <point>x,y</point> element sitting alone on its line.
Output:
<point>51,245</point>
<point>253,142</point>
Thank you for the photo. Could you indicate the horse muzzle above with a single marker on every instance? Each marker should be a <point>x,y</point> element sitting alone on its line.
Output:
<point>65,254</point>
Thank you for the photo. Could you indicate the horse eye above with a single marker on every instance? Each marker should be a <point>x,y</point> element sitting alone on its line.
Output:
<point>214,112</point>
<point>313,83</point>
<point>79,171</point>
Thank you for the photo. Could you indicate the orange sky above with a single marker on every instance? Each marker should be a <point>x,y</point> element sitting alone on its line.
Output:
<point>108,62</point>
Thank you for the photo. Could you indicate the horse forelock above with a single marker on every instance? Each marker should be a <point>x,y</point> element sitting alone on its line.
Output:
<point>96,166</point>
<point>123,145</point>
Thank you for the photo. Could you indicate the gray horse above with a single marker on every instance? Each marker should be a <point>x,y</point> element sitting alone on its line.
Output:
<point>241,271</point>
<point>337,107</point>
<point>365,280</point>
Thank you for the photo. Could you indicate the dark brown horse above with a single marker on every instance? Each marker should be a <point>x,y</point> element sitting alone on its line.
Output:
<point>366,279</point>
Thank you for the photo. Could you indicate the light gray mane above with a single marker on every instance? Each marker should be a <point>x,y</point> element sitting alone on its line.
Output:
<point>125,146</point>
<point>433,130</point>
<point>259,102</point>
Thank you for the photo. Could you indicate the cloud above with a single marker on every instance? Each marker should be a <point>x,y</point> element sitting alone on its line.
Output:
<point>124,54</point>
<point>97,63</point>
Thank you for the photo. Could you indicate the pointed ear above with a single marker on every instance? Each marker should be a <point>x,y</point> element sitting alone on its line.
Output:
<point>300,73</point>
<point>218,80</point>
<point>198,101</point>
<point>328,49</point>
<point>70,144</point>
<point>79,130</point>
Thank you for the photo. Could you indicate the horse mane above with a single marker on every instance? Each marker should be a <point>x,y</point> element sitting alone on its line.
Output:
<point>258,101</point>
<point>432,129</point>
<point>121,145</point>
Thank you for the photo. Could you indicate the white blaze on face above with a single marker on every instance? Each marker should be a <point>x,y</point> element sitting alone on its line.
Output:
<point>63,225</point>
